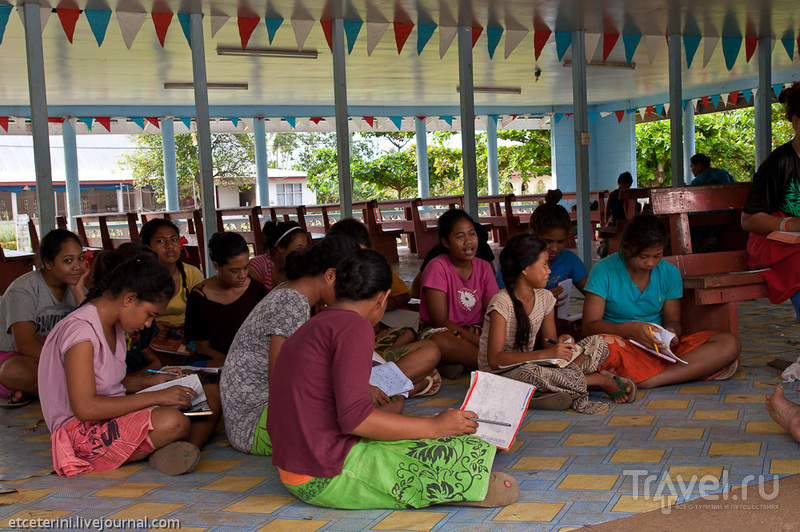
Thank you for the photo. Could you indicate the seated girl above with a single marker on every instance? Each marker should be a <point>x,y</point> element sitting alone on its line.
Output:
<point>632,289</point>
<point>31,307</point>
<point>370,458</point>
<point>218,306</point>
<point>280,239</point>
<point>163,237</point>
<point>456,288</point>
<point>95,426</point>
<point>523,310</point>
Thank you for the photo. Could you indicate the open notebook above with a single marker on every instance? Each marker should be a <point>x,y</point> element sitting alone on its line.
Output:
<point>199,404</point>
<point>665,337</point>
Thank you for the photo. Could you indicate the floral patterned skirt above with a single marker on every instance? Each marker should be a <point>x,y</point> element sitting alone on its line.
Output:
<point>405,474</point>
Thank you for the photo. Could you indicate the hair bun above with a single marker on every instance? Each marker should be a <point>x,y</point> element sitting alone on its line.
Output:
<point>553,196</point>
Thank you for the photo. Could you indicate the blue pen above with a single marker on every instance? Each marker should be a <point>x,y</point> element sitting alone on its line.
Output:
<point>162,372</point>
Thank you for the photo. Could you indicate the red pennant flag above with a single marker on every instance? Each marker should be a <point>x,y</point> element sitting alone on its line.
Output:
<point>705,101</point>
<point>568,115</point>
<point>327,29</point>
<point>648,111</point>
<point>153,120</point>
<point>161,21</point>
<point>401,33</point>
<point>55,120</point>
<point>750,47</point>
<point>246,27</point>
<point>619,114</point>
<point>539,40</point>
<point>370,120</point>
<point>609,41</point>
<point>104,121</point>
<point>476,34</point>
<point>421,117</point>
<point>68,18</point>
<point>4,122</point>
<point>514,117</point>
<point>316,119</point>
<point>734,97</point>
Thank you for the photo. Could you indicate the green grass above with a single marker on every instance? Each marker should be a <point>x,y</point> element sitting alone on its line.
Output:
<point>8,234</point>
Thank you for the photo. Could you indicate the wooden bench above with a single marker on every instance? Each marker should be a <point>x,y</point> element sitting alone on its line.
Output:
<point>501,219</point>
<point>129,221</point>
<point>194,251</point>
<point>420,228</point>
<point>13,264</point>
<point>246,222</point>
<point>384,239</point>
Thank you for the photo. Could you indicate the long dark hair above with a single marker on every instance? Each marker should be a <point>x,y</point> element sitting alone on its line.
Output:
<point>51,243</point>
<point>790,98</point>
<point>146,235</point>
<point>521,251</point>
<point>550,215</point>
<point>130,269</point>
<point>325,254</point>
<point>642,232</point>
<point>362,275</point>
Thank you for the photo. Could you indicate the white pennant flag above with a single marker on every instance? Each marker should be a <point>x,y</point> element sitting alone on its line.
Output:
<point>725,96</point>
<point>302,28</point>
<point>592,40</point>
<point>643,112</point>
<point>446,36</point>
<point>375,31</point>
<point>218,19</point>
<point>44,14</point>
<point>666,109</point>
<point>709,45</point>
<point>604,114</point>
<point>513,38</point>
<point>653,44</point>
<point>129,25</point>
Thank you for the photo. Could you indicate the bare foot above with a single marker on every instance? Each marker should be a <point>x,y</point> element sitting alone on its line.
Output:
<point>784,412</point>
<point>598,381</point>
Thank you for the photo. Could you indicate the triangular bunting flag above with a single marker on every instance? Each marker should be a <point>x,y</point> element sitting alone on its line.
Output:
<point>788,44</point>
<point>234,121</point>
<point>513,38</point>
<point>5,11</point>
<point>397,121</point>
<point>161,21</point>
<point>604,114</point>
<point>291,120</point>
<point>448,119</point>
<point>609,41</point>
<point>301,27</point>
<point>650,109</point>
<point>218,19</point>
<point>592,116</point>
<point>653,44</point>
<point>705,101</point>
<point>730,49</point>
<point>750,44</point>
<point>88,120</point>
<point>138,121</point>
<point>4,119</point>
<point>777,88</point>
<point>424,34</point>
<point>44,14</point>
<point>725,96</point>
<point>619,114</point>
<point>493,36</point>
<point>631,43</point>
<point>129,25</point>
<point>55,119</point>
<point>351,30</point>
<point>715,100</point>
<point>690,45</point>
<point>592,41</point>
<point>246,27</point>
<point>746,94</point>
<point>659,109</point>
<point>540,38</point>
<point>327,29</point>
<point>666,109</point>
<point>563,40</point>
<point>558,116</point>
<point>185,20</point>
<point>153,120</point>
<point>423,117</point>
<point>104,121</point>
<point>316,119</point>
<point>68,18</point>
<point>369,120</point>
<point>187,121</point>
<point>568,115</point>
<point>446,36</point>
<point>98,22</point>
<point>375,31</point>
<point>272,26</point>
<point>476,34</point>
<point>709,45</point>
<point>401,33</point>
<point>683,104</point>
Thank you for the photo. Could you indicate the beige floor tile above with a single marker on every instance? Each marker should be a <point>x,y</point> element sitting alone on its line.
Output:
<point>215,466</point>
<point>46,452</point>
<point>699,389</point>
<point>182,529</point>
<point>514,447</point>
<point>678,404</point>
<point>153,510</point>
<point>589,439</point>
<point>128,489</point>
<point>588,482</point>
<point>619,421</point>
<point>24,496</point>
<point>764,427</point>
<point>541,463</point>
<point>712,415</point>
<point>529,511</point>
<point>34,514</point>
<point>123,471</point>
<point>259,505</point>
<point>745,398</point>
<point>41,438</point>
<point>36,414</point>
<point>627,503</point>
<point>293,525</point>
<point>439,401</point>
<point>744,448</point>
<point>546,426</point>
<point>679,434</point>
<point>232,483</point>
<point>637,455</point>
<point>686,472</point>
<point>784,467</point>
<point>410,520</point>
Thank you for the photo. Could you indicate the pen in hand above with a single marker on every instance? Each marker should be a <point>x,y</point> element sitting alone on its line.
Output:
<point>162,372</point>
<point>500,423</point>
<point>654,337</point>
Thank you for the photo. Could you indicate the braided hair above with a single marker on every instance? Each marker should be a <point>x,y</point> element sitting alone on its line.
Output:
<point>521,251</point>
<point>146,235</point>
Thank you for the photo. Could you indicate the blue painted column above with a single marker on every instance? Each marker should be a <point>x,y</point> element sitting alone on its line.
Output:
<point>688,141</point>
<point>763,101</point>
<point>262,178</point>
<point>468,162</point>
<point>491,155</point>
<point>170,165</point>
<point>71,171</point>
<point>582,140</point>
<point>38,100</point>
<point>340,111</point>
<point>423,184</point>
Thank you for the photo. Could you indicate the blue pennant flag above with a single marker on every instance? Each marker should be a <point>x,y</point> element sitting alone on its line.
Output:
<point>351,30</point>
<point>557,117</point>
<point>684,102</point>
<point>138,121</point>
<point>5,11</point>
<point>397,121</point>
<point>715,99</point>
<point>448,119</point>
<point>186,122</point>
<point>98,22</point>
<point>592,117</point>
<point>88,120</point>
<point>631,43</point>
<point>563,40</point>
<point>272,26</point>
<point>747,93</point>
<point>186,25</point>
<point>234,121</point>
<point>730,49</point>
<point>690,44</point>
<point>777,88</point>
<point>424,34</point>
<point>493,36</point>
<point>292,120</point>
<point>788,45</point>
<point>659,109</point>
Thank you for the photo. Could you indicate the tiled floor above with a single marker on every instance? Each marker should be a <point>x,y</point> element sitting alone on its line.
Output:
<point>574,469</point>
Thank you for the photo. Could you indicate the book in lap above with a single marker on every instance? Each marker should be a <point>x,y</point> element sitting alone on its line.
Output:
<point>554,362</point>
<point>500,405</point>
<point>787,237</point>
<point>665,337</point>
<point>388,377</point>
<point>199,404</point>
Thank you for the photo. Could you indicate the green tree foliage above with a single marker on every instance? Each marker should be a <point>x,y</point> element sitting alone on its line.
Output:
<point>232,155</point>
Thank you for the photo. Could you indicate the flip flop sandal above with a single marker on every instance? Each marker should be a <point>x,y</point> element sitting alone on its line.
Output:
<point>433,386</point>
<point>725,373</point>
<point>11,403</point>
<point>554,401</point>
<point>620,380</point>
<point>176,458</point>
